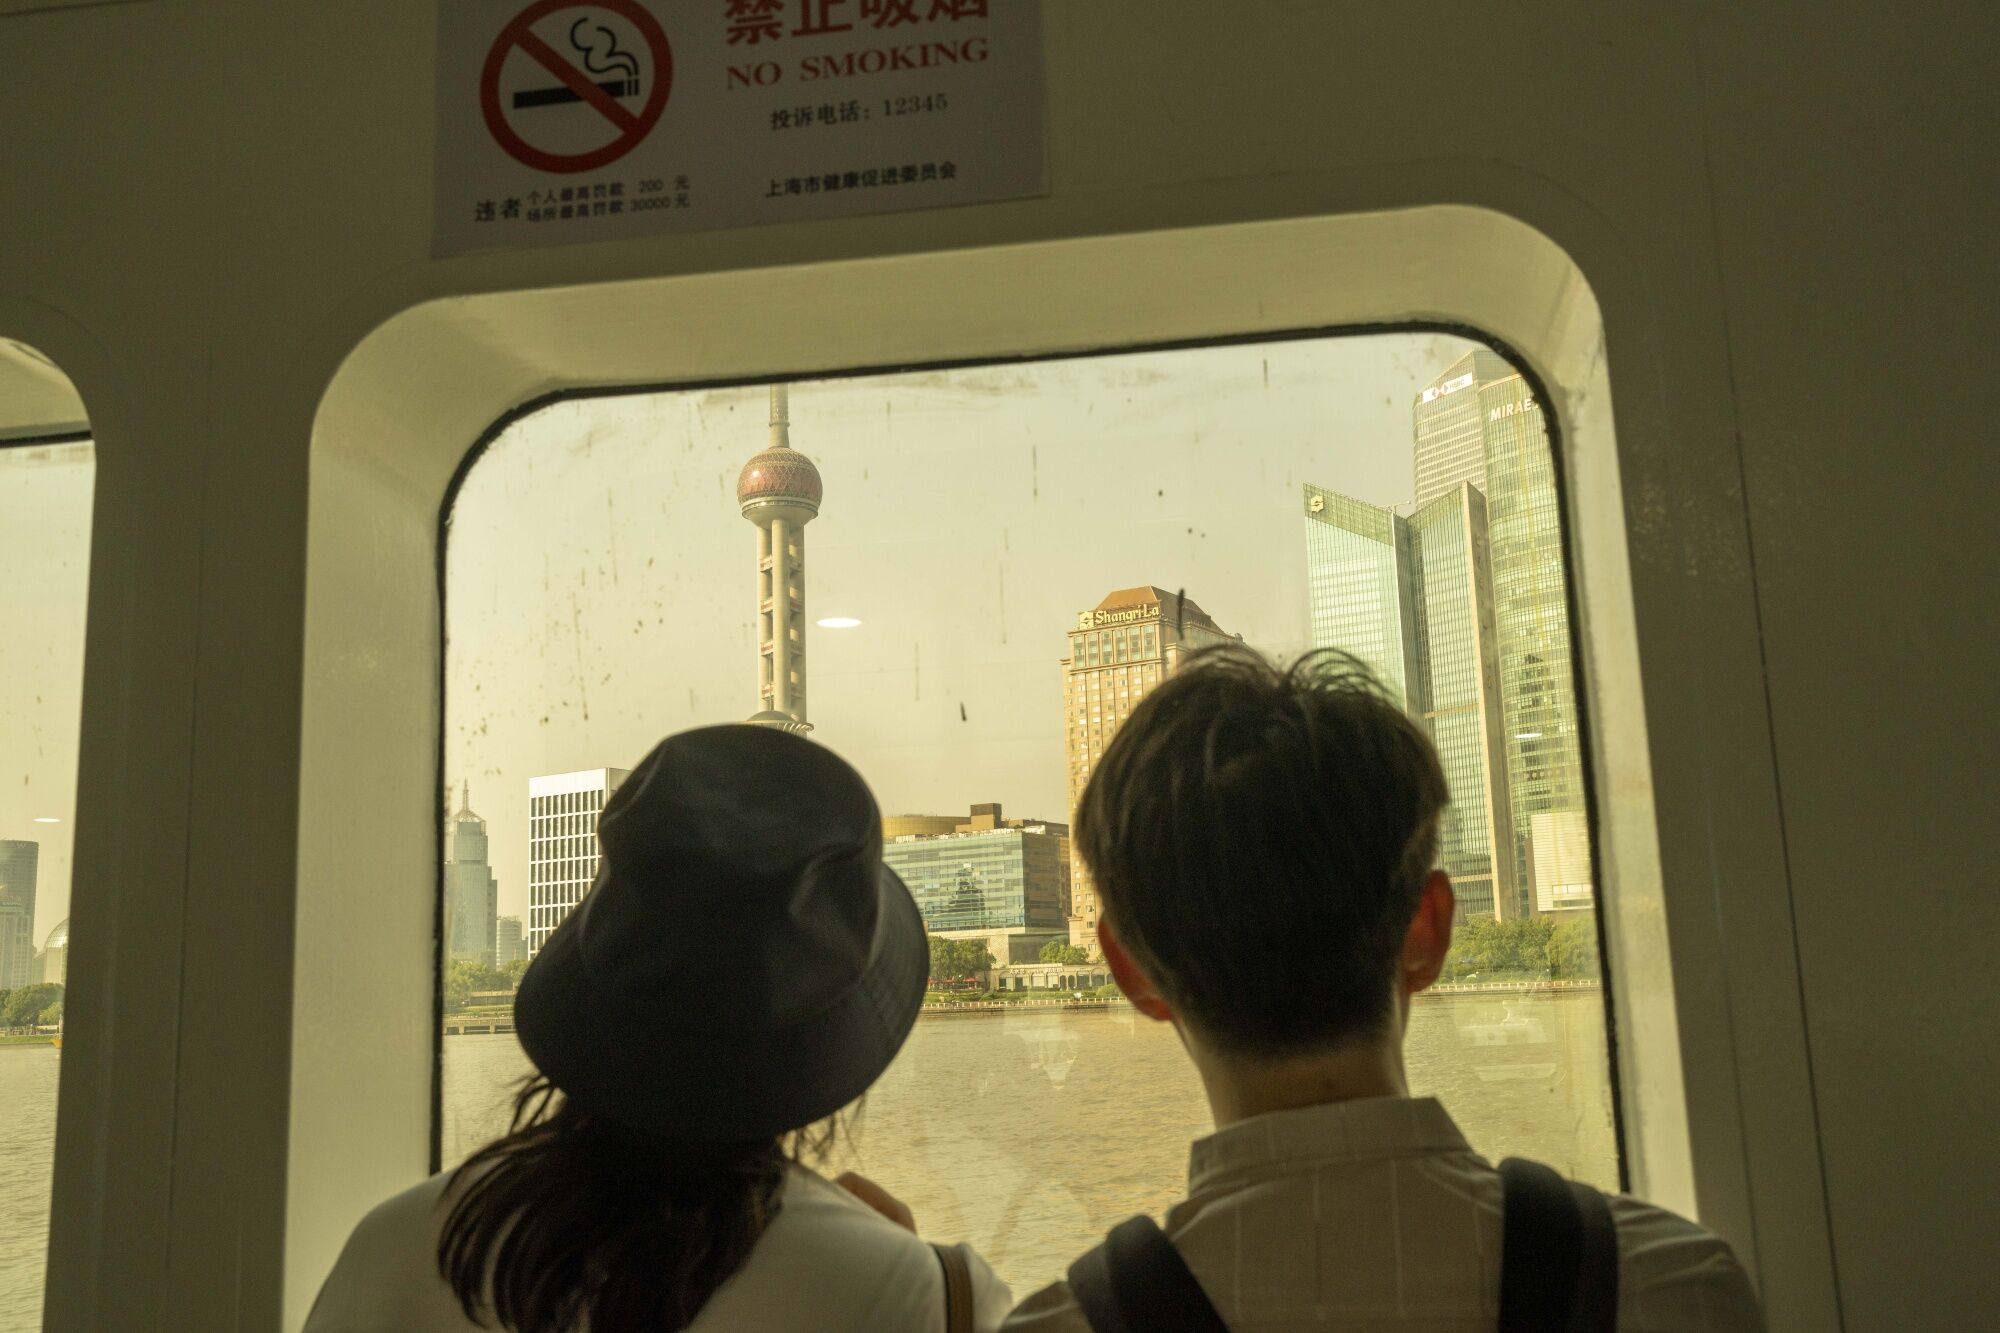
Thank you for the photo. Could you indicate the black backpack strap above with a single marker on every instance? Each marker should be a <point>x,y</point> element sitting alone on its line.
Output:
<point>1137,1282</point>
<point>1558,1253</point>
<point>1597,1270</point>
<point>957,1271</point>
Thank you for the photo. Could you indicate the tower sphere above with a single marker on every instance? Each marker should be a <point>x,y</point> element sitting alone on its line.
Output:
<point>781,476</point>
<point>771,717</point>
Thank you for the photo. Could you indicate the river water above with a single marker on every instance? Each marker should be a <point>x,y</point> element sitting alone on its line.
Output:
<point>1028,1134</point>
<point>27,1156</point>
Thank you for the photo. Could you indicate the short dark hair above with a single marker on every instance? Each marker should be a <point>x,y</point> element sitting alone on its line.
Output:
<point>1260,838</point>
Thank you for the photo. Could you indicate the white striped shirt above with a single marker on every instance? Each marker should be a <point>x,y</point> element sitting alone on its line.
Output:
<point>1376,1214</point>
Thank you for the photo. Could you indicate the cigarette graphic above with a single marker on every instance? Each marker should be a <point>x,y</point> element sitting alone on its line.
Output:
<point>557,96</point>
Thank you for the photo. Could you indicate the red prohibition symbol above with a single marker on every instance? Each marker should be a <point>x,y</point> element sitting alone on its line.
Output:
<point>632,127</point>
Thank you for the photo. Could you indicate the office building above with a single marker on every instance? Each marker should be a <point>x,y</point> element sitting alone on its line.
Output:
<point>17,946</point>
<point>510,944</point>
<point>1459,666</point>
<point>982,817</point>
<point>20,864</point>
<point>991,817</point>
<point>1531,610</point>
<point>1559,843</point>
<point>1118,651</point>
<point>471,895</point>
<point>1480,423</point>
<point>779,491</point>
<point>1451,427</point>
<point>562,843</point>
<point>988,874</point>
<point>52,963</point>
<point>1360,585</point>
<point>919,826</point>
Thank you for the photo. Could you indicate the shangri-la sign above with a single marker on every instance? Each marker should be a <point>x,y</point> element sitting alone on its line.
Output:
<point>1125,615</point>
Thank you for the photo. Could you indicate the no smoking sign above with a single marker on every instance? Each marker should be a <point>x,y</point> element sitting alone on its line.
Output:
<point>563,121</point>
<point>571,87</point>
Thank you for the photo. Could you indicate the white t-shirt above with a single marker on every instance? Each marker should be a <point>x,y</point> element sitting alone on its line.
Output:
<point>826,1262</point>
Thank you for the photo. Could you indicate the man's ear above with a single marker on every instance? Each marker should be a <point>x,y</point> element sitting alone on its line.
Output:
<point>1429,937</point>
<point>1138,987</point>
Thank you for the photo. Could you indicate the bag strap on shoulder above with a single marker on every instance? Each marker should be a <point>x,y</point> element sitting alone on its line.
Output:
<point>1558,1266</point>
<point>1137,1282</point>
<point>1558,1253</point>
<point>957,1288</point>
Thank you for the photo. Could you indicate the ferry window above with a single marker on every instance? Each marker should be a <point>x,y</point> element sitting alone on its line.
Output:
<point>45,494</point>
<point>979,606</point>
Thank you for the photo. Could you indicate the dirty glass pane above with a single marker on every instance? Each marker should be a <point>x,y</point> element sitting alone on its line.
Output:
<point>997,564</point>
<point>45,492</point>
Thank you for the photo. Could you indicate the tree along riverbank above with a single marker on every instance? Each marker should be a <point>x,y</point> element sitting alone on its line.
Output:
<point>475,1023</point>
<point>480,1025</point>
<point>935,1007</point>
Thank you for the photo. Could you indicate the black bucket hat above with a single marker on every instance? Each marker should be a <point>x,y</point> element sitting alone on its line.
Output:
<point>745,964</point>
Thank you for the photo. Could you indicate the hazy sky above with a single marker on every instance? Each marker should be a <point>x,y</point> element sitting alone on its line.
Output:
<point>602,582</point>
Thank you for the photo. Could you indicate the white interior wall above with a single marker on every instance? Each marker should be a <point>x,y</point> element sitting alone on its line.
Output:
<point>1853,206</point>
<point>1781,210</point>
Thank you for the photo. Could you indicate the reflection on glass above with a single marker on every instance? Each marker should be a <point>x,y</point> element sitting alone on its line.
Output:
<point>45,550</point>
<point>1011,557</point>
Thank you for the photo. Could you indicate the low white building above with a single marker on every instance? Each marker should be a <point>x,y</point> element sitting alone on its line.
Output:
<point>1056,978</point>
<point>562,843</point>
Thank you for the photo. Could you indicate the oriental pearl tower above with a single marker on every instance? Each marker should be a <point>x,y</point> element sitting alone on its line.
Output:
<point>780,492</point>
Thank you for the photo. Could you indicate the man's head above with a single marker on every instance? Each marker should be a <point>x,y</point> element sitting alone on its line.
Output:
<point>1264,844</point>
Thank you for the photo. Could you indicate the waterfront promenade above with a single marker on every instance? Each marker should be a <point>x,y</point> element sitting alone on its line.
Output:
<point>460,1025</point>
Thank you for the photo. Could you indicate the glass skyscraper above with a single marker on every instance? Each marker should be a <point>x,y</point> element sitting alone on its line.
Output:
<point>17,946</point>
<point>1479,423</point>
<point>997,879</point>
<point>1461,689</point>
<point>20,867</point>
<point>1450,425</point>
<point>1359,584</point>
<point>1413,599</point>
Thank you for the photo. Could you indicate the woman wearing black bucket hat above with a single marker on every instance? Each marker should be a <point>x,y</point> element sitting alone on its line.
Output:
<point>744,967</point>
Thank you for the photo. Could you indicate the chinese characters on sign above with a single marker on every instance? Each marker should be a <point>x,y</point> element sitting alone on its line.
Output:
<point>805,117</point>
<point>753,21</point>
<point>565,120</point>
<point>874,177</point>
<point>579,202</point>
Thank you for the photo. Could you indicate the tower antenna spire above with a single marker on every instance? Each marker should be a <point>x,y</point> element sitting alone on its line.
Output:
<point>781,416</point>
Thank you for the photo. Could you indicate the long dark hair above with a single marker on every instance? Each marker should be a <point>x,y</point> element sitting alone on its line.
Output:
<point>570,1218</point>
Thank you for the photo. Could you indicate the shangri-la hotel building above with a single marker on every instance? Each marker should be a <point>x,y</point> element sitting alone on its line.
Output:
<point>1118,650</point>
